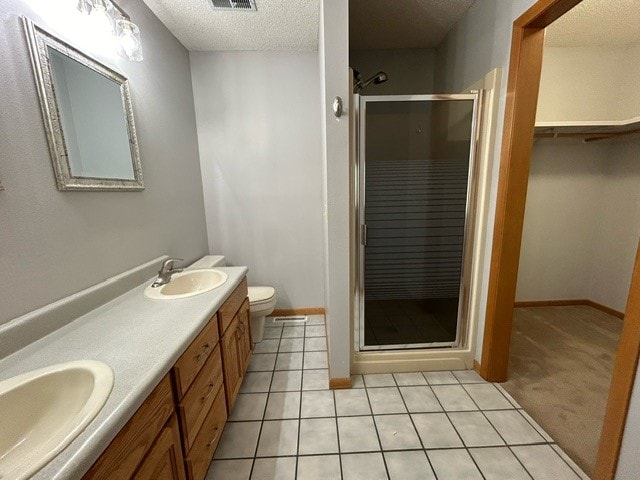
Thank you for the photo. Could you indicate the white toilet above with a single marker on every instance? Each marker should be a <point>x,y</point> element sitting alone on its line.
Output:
<point>262,300</point>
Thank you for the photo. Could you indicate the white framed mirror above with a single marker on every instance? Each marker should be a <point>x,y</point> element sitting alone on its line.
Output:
<point>88,117</point>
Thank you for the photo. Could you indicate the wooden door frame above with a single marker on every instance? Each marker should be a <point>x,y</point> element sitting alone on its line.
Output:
<point>525,66</point>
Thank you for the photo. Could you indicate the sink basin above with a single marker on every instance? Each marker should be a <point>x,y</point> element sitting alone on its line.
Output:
<point>44,410</point>
<point>188,284</point>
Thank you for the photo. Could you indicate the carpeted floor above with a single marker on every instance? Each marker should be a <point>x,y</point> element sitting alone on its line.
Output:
<point>560,367</point>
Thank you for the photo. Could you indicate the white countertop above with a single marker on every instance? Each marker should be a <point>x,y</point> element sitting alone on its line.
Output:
<point>140,339</point>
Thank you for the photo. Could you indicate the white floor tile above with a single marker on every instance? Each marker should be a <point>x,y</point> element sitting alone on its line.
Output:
<point>278,438</point>
<point>315,360</point>
<point>352,402</point>
<point>396,432</point>
<point>272,331</point>
<point>248,406</point>
<point>436,431</point>
<point>386,400</point>
<point>261,362</point>
<point>363,466</point>
<point>440,378</point>
<point>283,405</point>
<point>475,429</point>
<point>513,427</point>
<point>498,463</point>
<point>289,361</point>
<point>318,435</point>
<point>256,382</point>
<point>238,440</point>
<point>413,378</point>
<point>315,344</point>
<point>324,467</point>
<point>317,404</point>
<point>357,381</point>
<point>454,398</point>
<point>315,331</point>
<point>411,465</point>
<point>293,331</point>
<point>420,399</point>
<point>315,380</point>
<point>487,396</point>
<point>282,468</point>
<point>453,464</point>
<point>468,376</point>
<point>291,345</point>
<point>286,381</point>
<point>379,380</point>
<point>543,463</point>
<point>357,434</point>
<point>230,469</point>
<point>315,320</point>
<point>267,345</point>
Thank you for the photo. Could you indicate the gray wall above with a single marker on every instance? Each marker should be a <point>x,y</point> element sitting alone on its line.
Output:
<point>410,70</point>
<point>258,116</point>
<point>582,222</point>
<point>478,43</point>
<point>53,243</point>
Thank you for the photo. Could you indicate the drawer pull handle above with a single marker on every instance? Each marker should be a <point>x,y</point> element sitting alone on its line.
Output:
<point>215,430</point>
<point>209,392</point>
<point>206,348</point>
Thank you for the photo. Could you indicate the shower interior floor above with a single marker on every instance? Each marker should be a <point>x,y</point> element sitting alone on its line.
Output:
<point>400,322</point>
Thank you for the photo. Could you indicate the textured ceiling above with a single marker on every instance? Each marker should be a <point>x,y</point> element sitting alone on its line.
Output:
<point>277,25</point>
<point>597,23</point>
<point>402,23</point>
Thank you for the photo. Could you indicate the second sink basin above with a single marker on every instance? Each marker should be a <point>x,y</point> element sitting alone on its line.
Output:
<point>44,410</point>
<point>187,284</point>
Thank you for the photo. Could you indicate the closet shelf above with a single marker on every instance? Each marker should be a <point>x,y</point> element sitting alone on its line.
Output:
<point>588,131</point>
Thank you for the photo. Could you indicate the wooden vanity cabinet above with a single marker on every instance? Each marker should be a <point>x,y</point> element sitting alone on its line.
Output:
<point>164,460</point>
<point>127,451</point>
<point>174,434</point>
<point>236,350</point>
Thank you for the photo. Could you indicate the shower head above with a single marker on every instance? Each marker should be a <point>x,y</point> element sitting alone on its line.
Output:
<point>378,78</point>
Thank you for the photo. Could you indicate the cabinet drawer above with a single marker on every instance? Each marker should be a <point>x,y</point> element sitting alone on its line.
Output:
<point>192,360</point>
<point>231,306</point>
<point>126,451</point>
<point>197,402</point>
<point>206,441</point>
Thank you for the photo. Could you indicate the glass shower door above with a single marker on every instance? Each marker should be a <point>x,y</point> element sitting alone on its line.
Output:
<point>415,172</point>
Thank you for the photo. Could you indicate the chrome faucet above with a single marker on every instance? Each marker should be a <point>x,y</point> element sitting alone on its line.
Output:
<point>164,275</point>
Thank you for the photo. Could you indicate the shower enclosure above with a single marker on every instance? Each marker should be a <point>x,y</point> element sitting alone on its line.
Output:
<point>415,188</point>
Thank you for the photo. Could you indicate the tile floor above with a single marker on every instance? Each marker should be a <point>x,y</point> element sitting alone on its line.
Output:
<point>287,424</point>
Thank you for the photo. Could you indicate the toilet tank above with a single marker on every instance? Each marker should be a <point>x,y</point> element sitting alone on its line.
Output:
<point>208,261</point>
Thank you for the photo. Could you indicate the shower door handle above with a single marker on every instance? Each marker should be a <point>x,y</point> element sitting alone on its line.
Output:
<point>363,234</point>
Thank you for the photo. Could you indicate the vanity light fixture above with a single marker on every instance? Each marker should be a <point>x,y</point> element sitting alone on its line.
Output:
<point>107,16</point>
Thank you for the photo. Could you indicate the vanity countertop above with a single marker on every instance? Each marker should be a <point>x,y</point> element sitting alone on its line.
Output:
<point>140,339</point>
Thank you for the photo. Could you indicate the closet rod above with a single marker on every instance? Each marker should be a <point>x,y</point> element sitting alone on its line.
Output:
<point>587,136</point>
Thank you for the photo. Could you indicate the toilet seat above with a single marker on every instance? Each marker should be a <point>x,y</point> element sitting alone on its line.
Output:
<point>261,295</point>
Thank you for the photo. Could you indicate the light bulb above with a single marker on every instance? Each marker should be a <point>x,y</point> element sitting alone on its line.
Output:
<point>129,40</point>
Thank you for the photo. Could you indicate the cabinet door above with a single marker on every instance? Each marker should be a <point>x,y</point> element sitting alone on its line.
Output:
<point>164,461</point>
<point>231,362</point>
<point>244,341</point>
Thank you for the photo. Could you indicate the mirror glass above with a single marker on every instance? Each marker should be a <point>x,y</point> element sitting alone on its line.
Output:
<point>88,117</point>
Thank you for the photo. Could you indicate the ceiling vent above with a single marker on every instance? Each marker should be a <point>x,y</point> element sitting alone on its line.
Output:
<point>240,5</point>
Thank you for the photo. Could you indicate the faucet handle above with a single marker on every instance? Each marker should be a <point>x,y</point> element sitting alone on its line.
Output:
<point>168,264</point>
